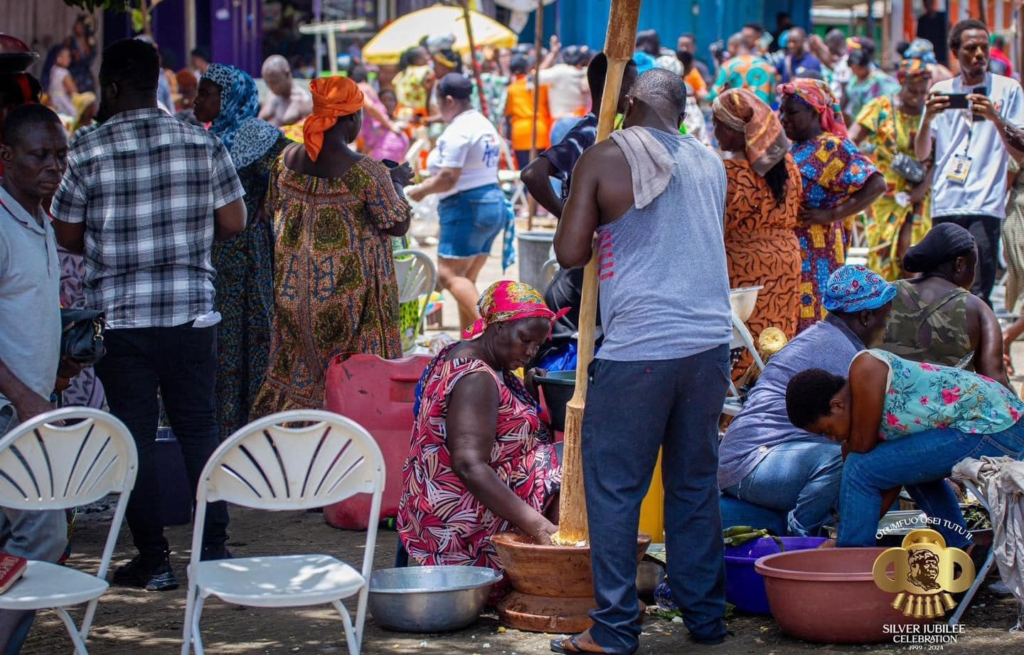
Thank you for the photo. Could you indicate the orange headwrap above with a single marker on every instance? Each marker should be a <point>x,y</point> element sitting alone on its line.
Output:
<point>333,97</point>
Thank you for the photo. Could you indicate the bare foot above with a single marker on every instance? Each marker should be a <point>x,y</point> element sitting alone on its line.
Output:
<point>831,543</point>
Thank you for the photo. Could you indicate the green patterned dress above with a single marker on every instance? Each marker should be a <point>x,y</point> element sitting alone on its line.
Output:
<point>335,290</point>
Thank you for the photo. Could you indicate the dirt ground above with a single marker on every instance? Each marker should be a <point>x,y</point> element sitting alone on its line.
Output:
<point>133,621</point>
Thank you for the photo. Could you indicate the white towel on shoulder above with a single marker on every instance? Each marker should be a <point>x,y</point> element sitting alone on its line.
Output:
<point>650,163</point>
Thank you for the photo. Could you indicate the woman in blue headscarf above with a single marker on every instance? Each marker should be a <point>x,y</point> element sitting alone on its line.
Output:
<point>229,101</point>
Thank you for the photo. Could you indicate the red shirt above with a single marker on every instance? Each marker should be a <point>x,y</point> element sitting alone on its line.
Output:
<point>1000,56</point>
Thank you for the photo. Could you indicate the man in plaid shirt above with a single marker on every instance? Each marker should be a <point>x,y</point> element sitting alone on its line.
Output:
<point>144,197</point>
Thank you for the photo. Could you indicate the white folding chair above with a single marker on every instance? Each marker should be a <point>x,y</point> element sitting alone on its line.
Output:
<point>548,271</point>
<point>417,276</point>
<point>48,466</point>
<point>270,465</point>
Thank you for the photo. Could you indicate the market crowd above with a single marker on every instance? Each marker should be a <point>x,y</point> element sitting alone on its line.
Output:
<point>235,247</point>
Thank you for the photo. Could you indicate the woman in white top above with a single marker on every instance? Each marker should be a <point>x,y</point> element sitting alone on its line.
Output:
<point>464,171</point>
<point>61,85</point>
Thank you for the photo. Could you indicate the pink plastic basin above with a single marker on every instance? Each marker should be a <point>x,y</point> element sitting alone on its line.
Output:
<point>829,596</point>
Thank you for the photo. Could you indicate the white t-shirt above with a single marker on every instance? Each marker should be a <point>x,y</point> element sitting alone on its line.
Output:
<point>984,191</point>
<point>568,91</point>
<point>470,143</point>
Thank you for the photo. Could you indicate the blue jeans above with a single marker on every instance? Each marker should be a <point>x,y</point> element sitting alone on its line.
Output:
<point>799,477</point>
<point>633,409</point>
<point>920,463</point>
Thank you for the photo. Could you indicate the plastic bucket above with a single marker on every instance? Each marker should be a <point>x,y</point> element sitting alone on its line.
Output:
<point>744,587</point>
<point>534,250</point>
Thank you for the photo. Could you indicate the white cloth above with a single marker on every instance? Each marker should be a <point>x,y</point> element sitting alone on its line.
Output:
<point>59,98</point>
<point>984,192</point>
<point>469,143</point>
<point>568,91</point>
<point>29,298</point>
<point>1001,480</point>
<point>650,164</point>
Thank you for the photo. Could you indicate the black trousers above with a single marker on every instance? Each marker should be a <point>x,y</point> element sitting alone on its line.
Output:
<point>182,362</point>
<point>986,231</point>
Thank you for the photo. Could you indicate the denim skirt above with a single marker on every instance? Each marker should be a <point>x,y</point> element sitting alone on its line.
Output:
<point>470,222</point>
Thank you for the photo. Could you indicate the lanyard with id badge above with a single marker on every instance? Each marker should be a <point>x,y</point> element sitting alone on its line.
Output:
<point>961,165</point>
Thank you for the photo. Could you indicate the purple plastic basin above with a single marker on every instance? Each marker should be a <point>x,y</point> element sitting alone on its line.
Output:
<point>744,587</point>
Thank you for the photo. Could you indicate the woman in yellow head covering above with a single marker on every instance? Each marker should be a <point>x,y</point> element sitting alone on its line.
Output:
<point>333,212</point>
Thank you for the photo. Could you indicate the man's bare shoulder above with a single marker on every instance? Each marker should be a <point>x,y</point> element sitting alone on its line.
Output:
<point>601,155</point>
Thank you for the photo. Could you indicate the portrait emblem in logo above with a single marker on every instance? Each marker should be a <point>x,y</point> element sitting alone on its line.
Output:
<point>923,571</point>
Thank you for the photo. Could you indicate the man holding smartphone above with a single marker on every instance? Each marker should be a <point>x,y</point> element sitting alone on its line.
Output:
<point>965,120</point>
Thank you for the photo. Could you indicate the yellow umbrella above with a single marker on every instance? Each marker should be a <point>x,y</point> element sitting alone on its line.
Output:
<point>389,44</point>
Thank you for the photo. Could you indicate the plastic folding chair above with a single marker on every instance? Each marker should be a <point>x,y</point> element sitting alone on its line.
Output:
<point>271,465</point>
<point>548,271</point>
<point>417,277</point>
<point>48,466</point>
<point>980,575</point>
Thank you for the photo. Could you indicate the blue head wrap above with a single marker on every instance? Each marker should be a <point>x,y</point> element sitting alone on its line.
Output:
<point>239,100</point>
<point>854,288</point>
<point>921,49</point>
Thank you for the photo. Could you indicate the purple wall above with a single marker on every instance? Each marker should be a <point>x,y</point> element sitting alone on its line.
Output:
<point>236,40</point>
<point>235,34</point>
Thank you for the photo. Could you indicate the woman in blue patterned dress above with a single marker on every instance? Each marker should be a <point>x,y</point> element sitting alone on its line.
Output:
<point>228,99</point>
<point>905,423</point>
<point>838,183</point>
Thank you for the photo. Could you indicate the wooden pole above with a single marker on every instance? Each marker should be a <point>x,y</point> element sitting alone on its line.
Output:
<point>472,56</point>
<point>538,44</point>
<point>1018,15</point>
<point>886,34</point>
<point>618,47</point>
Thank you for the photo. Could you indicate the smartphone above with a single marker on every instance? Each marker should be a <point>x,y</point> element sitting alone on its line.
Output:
<point>981,91</point>
<point>957,100</point>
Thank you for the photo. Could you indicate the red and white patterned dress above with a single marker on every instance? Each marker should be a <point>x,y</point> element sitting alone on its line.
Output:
<point>439,520</point>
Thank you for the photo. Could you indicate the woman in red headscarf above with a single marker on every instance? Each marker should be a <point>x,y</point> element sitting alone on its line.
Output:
<point>334,212</point>
<point>838,183</point>
<point>481,460</point>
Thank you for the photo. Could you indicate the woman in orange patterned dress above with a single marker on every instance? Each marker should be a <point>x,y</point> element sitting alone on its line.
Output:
<point>762,203</point>
<point>334,212</point>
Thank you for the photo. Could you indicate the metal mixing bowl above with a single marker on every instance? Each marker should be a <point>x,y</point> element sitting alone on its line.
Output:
<point>430,598</point>
<point>743,301</point>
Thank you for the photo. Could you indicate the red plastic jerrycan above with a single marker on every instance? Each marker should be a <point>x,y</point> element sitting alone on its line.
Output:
<point>379,395</point>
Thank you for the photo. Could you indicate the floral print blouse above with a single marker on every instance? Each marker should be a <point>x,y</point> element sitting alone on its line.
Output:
<point>922,397</point>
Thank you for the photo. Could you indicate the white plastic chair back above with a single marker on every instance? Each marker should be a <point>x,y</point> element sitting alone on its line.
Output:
<point>548,271</point>
<point>417,277</point>
<point>44,465</point>
<point>416,273</point>
<point>268,465</point>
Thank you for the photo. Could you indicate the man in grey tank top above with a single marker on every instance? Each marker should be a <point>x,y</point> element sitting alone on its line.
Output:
<point>656,200</point>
